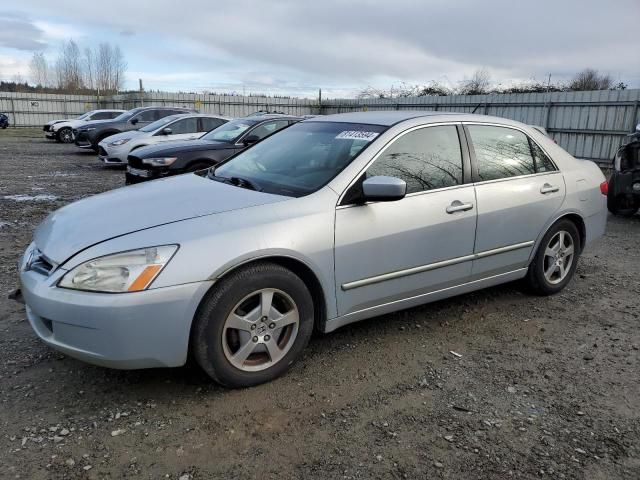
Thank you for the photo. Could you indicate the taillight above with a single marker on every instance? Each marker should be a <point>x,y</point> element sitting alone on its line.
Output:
<point>604,188</point>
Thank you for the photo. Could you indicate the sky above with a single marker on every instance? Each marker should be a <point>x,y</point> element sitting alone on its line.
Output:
<point>295,47</point>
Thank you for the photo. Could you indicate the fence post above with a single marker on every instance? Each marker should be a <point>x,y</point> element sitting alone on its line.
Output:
<point>635,116</point>
<point>13,112</point>
<point>547,115</point>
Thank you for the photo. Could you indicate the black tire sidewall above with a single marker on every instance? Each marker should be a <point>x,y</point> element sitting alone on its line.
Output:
<point>59,135</point>
<point>613,204</point>
<point>536,271</point>
<point>209,322</point>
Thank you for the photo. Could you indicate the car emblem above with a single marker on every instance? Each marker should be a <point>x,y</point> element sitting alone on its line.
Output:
<point>261,329</point>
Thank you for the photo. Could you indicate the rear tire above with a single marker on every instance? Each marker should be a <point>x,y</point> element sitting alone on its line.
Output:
<point>556,259</point>
<point>622,205</point>
<point>252,325</point>
<point>64,135</point>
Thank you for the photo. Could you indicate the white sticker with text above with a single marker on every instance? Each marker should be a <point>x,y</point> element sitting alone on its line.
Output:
<point>356,135</point>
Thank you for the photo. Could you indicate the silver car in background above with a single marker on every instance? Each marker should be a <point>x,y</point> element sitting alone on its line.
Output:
<point>189,126</point>
<point>330,221</point>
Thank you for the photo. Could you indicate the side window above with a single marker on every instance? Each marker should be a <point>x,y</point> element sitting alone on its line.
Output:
<point>501,152</point>
<point>426,159</point>
<point>101,116</point>
<point>543,163</point>
<point>186,125</point>
<point>113,115</point>
<point>268,128</point>
<point>209,124</point>
<point>147,116</point>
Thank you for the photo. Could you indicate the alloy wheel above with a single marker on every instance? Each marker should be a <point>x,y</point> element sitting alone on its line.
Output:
<point>260,330</point>
<point>558,257</point>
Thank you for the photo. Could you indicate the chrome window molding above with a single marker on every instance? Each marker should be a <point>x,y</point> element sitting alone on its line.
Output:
<point>390,142</point>
<point>433,266</point>
<point>514,127</point>
<point>506,179</point>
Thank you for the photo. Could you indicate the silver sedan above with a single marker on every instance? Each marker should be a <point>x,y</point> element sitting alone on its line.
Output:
<point>330,221</point>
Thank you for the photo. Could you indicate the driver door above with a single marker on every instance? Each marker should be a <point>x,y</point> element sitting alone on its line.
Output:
<point>389,251</point>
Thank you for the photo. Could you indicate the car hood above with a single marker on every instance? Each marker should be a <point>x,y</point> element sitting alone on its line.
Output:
<point>93,220</point>
<point>56,121</point>
<point>168,148</point>
<point>122,136</point>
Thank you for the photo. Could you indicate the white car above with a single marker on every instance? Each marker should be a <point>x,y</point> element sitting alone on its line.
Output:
<point>190,126</point>
<point>62,130</point>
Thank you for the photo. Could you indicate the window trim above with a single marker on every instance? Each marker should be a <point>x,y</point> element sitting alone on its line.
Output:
<point>474,158</point>
<point>464,150</point>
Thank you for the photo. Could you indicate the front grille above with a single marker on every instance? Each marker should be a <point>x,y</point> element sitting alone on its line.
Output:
<point>136,162</point>
<point>46,128</point>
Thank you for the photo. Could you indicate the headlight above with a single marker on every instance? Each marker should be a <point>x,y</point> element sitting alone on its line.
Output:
<point>121,272</point>
<point>119,142</point>
<point>159,162</point>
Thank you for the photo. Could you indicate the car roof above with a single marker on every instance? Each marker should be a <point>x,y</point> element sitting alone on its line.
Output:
<point>392,117</point>
<point>192,114</point>
<point>140,109</point>
<point>269,116</point>
<point>109,110</point>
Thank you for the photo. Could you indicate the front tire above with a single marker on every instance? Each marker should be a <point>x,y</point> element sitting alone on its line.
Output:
<point>556,259</point>
<point>64,135</point>
<point>253,325</point>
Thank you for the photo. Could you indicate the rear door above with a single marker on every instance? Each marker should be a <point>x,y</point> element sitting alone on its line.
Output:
<point>208,123</point>
<point>518,190</point>
<point>182,129</point>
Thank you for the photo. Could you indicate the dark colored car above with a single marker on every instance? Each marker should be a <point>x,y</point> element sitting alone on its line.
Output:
<point>157,161</point>
<point>623,197</point>
<point>4,121</point>
<point>92,133</point>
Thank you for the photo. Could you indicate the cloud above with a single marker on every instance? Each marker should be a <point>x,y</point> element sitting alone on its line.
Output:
<point>305,44</point>
<point>20,33</point>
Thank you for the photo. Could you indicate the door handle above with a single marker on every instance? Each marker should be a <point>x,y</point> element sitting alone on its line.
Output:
<point>458,206</point>
<point>547,188</point>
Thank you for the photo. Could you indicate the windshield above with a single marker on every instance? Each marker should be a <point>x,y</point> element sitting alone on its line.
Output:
<point>230,131</point>
<point>159,123</point>
<point>300,159</point>
<point>85,116</point>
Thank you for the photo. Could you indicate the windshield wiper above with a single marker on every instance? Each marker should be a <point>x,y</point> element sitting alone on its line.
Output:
<point>236,181</point>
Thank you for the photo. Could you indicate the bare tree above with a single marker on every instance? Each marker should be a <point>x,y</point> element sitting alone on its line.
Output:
<point>590,79</point>
<point>69,67</point>
<point>478,84</point>
<point>39,70</point>
<point>89,68</point>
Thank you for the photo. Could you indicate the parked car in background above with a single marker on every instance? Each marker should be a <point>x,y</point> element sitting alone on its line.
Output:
<point>159,161</point>
<point>62,130</point>
<point>623,197</point>
<point>188,126</point>
<point>4,120</point>
<point>92,133</point>
<point>333,220</point>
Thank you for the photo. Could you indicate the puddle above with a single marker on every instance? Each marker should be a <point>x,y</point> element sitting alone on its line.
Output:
<point>43,197</point>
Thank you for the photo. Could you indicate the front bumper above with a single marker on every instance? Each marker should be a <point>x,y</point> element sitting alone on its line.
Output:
<point>126,331</point>
<point>82,139</point>
<point>138,175</point>
<point>112,155</point>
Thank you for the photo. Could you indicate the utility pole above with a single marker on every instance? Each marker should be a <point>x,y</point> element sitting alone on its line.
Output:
<point>141,93</point>
<point>320,101</point>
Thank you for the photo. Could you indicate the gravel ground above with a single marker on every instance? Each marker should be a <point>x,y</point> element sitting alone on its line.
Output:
<point>543,387</point>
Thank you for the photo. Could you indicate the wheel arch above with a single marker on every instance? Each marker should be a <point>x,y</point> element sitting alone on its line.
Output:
<point>574,217</point>
<point>302,270</point>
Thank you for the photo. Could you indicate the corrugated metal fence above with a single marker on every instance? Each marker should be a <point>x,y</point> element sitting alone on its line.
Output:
<point>587,124</point>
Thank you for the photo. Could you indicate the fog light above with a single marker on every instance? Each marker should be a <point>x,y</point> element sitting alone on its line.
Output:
<point>636,187</point>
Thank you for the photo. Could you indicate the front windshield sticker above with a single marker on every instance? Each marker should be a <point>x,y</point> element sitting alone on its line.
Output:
<point>356,135</point>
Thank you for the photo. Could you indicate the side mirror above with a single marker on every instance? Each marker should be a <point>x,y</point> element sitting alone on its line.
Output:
<point>383,189</point>
<point>134,121</point>
<point>167,131</point>
<point>251,139</point>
